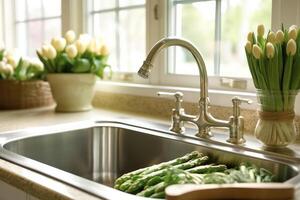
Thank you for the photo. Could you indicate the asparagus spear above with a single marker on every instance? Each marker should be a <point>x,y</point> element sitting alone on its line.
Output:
<point>207,169</point>
<point>183,159</point>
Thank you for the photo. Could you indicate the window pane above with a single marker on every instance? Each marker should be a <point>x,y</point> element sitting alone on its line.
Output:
<point>123,30</point>
<point>223,53</point>
<point>103,4</point>
<point>131,2</point>
<point>238,18</point>
<point>132,39</point>
<point>52,28</point>
<point>52,8</point>
<point>196,23</point>
<point>104,26</point>
<point>20,9</point>
<point>21,38</point>
<point>35,36</point>
<point>36,28</point>
<point>34,8</point>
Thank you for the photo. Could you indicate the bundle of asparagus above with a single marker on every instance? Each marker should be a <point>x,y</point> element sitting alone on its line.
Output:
<point>274,63</point>
<point>152,181</point>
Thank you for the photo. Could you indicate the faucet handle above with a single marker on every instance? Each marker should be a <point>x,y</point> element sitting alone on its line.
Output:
<point>236,102</point>
<point>240,100</point>
<point>236,135</point>
<point>177,124</point>
<point>178,95</point>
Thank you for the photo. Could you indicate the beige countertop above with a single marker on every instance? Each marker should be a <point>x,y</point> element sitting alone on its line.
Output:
<point>34,183</point>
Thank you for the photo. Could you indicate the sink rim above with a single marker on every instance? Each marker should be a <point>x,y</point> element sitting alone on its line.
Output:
<point>101,190</point>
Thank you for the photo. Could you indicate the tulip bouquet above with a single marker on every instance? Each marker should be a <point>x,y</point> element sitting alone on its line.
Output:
<point>20,69</point>
<point>70,55</point>
<point>274,63</point>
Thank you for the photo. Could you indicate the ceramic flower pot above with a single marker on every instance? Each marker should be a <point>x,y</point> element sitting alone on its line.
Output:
<point>72,92</point>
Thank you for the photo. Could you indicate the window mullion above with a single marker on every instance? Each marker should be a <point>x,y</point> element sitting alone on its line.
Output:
<point>117,20</point>
<point>217,53</point>
<point>43,21</point>
<point>26,26</point>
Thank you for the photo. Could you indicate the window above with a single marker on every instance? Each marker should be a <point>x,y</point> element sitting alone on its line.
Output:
<point>121,24</point>
<point>218,28</point>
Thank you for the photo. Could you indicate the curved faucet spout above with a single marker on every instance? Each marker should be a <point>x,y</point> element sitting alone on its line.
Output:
<point>144,71</point>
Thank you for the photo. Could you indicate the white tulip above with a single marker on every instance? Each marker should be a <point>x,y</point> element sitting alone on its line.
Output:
<point>256,51</point>
<point>272,37</point>
<point>44,50</point>
<point>9,53</point>
<point>248,47</point>
<point>37,64</point>
<point>270,50</point>
<point>293,33</point>
<point>250,37</point>
<point>260,30</point>
<point>6,69</point>
<point>51,52</point>
<point>291,47</point>
<point>71,51</point>
<point>12,61</point>
<point>293,27</point>
<point>59,43</point>
<point>81,46</point>
<point>279,37</point>
<point>54,41</point>
<point>104,50</point>
<point>70,36</point>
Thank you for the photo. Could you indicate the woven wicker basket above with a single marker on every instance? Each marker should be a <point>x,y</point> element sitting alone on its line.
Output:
<point>24,94</point>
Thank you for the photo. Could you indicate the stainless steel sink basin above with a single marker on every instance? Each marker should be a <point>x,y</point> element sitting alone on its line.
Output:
<point>91,155</point>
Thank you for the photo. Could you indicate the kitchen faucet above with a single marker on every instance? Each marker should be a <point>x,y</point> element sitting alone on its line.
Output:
<point>204,120</point>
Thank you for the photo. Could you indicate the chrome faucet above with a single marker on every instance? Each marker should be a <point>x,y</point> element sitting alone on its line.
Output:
<point>204,120</point>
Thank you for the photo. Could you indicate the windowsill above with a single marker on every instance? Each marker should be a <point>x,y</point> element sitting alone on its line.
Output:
<point>217,97</point>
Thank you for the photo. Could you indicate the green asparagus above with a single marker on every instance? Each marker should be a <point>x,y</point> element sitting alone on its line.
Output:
<point>152,181</point>
<point>147,170</point>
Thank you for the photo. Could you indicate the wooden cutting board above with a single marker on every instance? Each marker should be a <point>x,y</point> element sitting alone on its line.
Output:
<point>241,191</point>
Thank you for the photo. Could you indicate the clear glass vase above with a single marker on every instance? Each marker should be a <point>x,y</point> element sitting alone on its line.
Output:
<point>276,125</point>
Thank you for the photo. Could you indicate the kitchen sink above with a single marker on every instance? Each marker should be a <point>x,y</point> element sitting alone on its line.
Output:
<point>90,155</point>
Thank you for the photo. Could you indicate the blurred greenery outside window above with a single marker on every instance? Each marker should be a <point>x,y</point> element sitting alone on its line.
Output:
<point>218,28</point>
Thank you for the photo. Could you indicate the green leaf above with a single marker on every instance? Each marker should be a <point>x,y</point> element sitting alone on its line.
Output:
<point>81,65</point>
<point>62,63</point>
